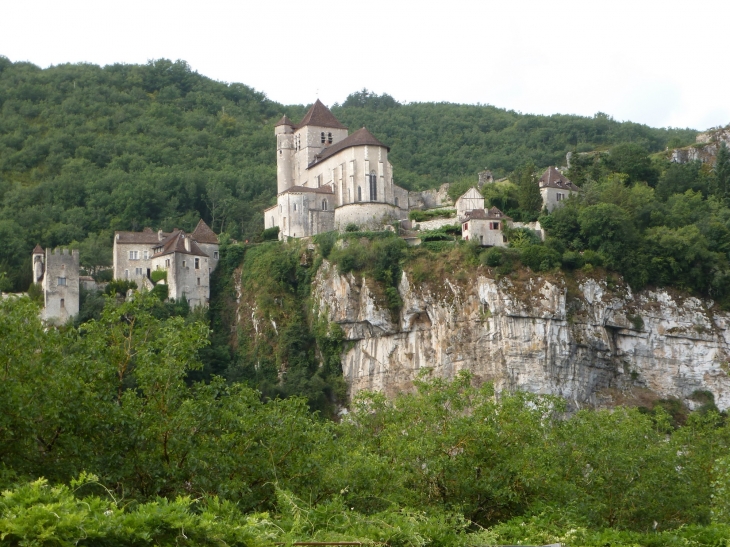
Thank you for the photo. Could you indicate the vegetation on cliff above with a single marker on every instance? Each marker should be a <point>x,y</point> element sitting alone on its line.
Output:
<point>107,409</point>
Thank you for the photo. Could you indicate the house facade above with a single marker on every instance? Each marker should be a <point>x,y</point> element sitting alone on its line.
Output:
<point>57,272</point>
<point>485,226</point>
<point>328,179</point>
<point>555,188</point>
<point>188,259</point>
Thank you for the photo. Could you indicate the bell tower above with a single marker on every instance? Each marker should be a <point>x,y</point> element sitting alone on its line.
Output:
<point>284,131</point>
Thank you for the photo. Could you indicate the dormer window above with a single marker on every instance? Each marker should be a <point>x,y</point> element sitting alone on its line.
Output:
<point>329,138</point>
<point>323,139</point>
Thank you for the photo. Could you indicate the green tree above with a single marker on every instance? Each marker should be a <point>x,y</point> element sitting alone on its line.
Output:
<point>722,171</point>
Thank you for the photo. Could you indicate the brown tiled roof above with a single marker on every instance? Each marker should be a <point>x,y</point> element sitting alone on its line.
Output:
<point>176,244</point>
<point>320,116</point>
<point>361,137</point>
<point>284,121</point>
<point>553,178</point>
<point>148,237</point>
<point>486,214</point>
<point>38,250</point>
<point>320,190</point>
<point>203,233</point>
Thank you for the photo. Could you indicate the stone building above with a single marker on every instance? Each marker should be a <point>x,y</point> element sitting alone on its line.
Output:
<point>554,188</point>
<point>485,226</point>
<point>472,199</point>
<point>188,259</point>
<point>58,274</point>
<point>327,179</point>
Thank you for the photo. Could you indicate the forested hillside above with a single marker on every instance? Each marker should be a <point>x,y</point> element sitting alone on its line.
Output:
<point>86,150</point>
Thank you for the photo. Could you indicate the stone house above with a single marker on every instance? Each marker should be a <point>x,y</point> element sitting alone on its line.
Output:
<point>58,274</point>
<point>485,226</point>
<point>327,179</point>
<point>555,188</point>
<point>189,260</point>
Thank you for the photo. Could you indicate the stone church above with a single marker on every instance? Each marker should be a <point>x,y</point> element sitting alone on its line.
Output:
<point>328,179</point>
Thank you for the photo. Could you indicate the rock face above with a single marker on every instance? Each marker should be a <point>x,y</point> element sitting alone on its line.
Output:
<point>706,147</point>
<point>585,339</point>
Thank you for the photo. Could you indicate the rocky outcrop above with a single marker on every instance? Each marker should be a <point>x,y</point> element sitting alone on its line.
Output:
<point>706,147</point>
<point>587,339</point>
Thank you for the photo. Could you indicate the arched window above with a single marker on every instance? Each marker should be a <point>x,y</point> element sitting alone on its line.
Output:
<point>329,138</point>
<point>323,137</point>
<point>359,194</point>
<point>373,186</point>
<point>324,204</point>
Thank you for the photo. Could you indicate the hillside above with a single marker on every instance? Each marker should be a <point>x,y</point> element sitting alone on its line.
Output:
<point>86,150</point>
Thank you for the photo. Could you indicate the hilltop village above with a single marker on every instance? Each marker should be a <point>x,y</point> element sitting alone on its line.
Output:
<point>327,179</point>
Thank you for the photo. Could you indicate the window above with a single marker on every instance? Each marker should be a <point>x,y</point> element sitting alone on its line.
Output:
<point>494,225</point>
<point>63,303</point>
<point>61,281</point>
<point>329,138</point>
<point>133,255</point>
<point>197,265</point>
<point>215,255</point>
<point>324,204</point>
<point>481,240</point>
<point>295,206</point>
<point>167,263</point>
<point>359,194</point>
<point>559,197</point>
<point>373,186</point>
<point>126,274</point>
<point>184,263</point>
<point>466,226</point>
<point>396,202</point>
<point>138,271</point>
<point>198,281</point>
<point>145,255</point>
<point>323,139</point>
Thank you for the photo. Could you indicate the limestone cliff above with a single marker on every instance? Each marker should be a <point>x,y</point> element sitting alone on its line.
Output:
<point>586,338</point>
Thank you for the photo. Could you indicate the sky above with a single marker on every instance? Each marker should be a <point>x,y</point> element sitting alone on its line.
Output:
<point>664,63</point>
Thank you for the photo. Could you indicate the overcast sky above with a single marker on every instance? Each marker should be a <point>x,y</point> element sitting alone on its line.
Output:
<point>663,63</point>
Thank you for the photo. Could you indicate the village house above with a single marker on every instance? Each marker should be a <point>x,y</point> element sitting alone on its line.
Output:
<point>555,188</point>
<point>485,226</point>
<point>57,272</point>
<point>188,260</point>
<point>328,179</point>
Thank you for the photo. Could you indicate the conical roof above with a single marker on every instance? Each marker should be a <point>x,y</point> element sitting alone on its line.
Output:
<point>203,233</point>
<point>319,115</point>
<point>38,250</point>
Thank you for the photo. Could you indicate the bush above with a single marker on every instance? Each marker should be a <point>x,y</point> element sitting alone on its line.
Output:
<point>540,258</point>
<point>593,258</point>
<point>161,291</point>
<point>158,275</point>
<point>270,234</point>
<point>352,227</point>
<point>572,260</point>
<point>421,216</point>
<point>493,257</point>
<point>326,242</point>
<point>120,287</point>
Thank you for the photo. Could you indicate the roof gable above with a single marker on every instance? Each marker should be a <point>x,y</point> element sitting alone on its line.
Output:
<point>176,244</point>
<point>471,193</point>
<point>203,233</point>
<point>361,137</point>
<point>319,115</point>
<point>552,178</point>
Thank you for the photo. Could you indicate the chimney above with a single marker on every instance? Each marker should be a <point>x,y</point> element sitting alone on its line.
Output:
<point>187,243</point>
<point>159,235</point>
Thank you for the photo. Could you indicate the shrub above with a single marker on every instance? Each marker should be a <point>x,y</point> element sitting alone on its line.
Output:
<point>540,258</point>
<point>158,275</point>
<point>421,216</point>
<point>572,260</point>
<point>352,227</point>
<point>120,286</point>
<point>493,257</point>
<point>593,258</point>
<point>161,291</point>
<point>270,234</point>
<point>326,242</point>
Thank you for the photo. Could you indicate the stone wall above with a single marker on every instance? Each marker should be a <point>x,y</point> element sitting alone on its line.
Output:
<point>430,199</point>
<point>367,216</point>
<point>61,285</point>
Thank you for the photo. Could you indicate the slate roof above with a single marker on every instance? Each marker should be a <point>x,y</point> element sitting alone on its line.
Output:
<point>147,236</point>
<point>320,116</point>
<point>284,121</point>
<point>203,233</point>
<point>361,137</point>
<point>176,244</point>
<point>38,250</point>
<point>486,214</point>
<point>320,190</point>
<point>552,178</point>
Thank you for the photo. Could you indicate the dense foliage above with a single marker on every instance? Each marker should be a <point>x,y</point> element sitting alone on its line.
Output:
<point>148,457</point>
<point>86,150</point>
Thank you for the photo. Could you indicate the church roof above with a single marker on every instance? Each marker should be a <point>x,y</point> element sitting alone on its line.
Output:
<point>203,233</point>
<point>320,116</point>
<point>284,121</point>
<point>553,178</point>
<point>361,137</point>
<point>38,250</point>
<point>176,244</point>
<point>305,189</point>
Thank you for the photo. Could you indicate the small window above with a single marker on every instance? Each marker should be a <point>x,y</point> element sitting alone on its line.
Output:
<point>145,255</point>
<point>167,263</point>
<point>197,263</point>
<point>63,303</point>
<point>396,202</point>
<point>329,138</point>
<point>138,271</point>
<point>466,226</point>
<point>359,194</point>
<point>198,281</point>
<point>481,240</point>
<point>61,281</point>
<point>324,204</point>
<point>215,255</point>
<point>126,274</point>
<point>295,206</point>
<point>184,263</point>
<point>323,140</point>
<point>133,255</point>
<point>559,197</point>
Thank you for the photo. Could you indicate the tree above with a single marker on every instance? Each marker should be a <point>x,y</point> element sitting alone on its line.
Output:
<point>722,171</point>
<point>528,191</point>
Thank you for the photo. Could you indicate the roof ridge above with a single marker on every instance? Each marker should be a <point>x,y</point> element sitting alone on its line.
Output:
<point>321,116</point>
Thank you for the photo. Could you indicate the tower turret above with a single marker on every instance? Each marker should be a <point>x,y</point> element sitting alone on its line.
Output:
<point>284,131</point>
<point>38,259</point>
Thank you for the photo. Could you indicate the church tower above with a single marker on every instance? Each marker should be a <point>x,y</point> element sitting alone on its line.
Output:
<point>284,131</point>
